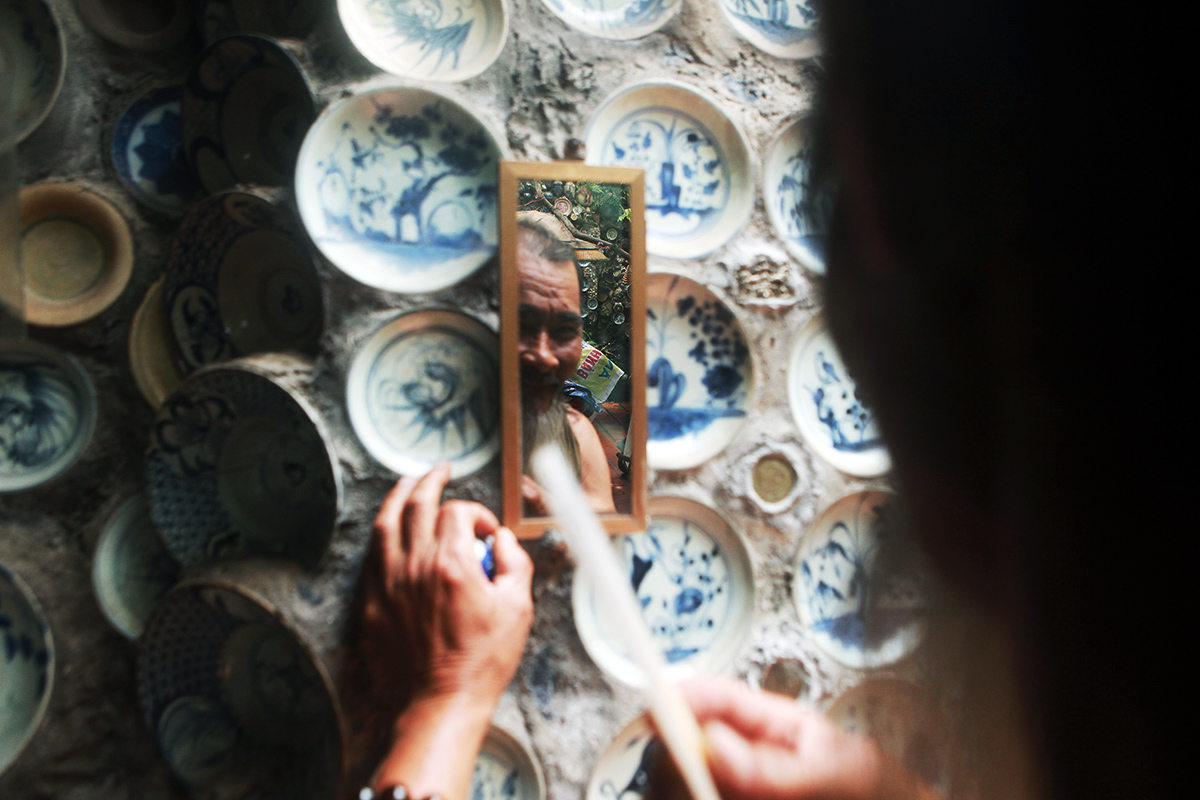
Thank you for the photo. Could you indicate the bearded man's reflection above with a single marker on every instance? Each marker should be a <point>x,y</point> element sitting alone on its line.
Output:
<point>551,343</point>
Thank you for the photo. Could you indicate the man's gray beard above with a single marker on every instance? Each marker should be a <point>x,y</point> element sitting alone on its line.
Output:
<point>548,427</point>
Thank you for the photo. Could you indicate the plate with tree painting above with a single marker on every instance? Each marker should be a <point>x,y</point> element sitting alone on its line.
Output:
<point>615,19</point>
<point>784,28</point>
<point>798,215</point>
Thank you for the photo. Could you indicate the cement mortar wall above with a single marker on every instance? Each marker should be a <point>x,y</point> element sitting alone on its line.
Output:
<point>540,93</point>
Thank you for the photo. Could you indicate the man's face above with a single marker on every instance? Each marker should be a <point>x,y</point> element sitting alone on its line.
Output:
<point>551,327</point>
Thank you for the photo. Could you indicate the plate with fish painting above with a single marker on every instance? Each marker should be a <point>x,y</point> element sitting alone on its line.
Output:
<point>784,28</point>
<point>692,575</point>
<point>425,388</point>
<point>505,770</point>
<point>623,771</point>
<point>615,19</point>
<point>860,586</point>
<point>828,409</point>
<point>700,375</point>
<point>788,193</point>
<point>397,187</point>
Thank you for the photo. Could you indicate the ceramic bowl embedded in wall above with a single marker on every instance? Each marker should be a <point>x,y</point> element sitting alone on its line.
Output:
<point>700,373</point>
<point>246,107</point>
<point>147,152</point>
<point>623,771</point>
<point>786,191</point>
<point>692,575</point>
<point>787,30</point>
<point>239,466</point>
<point>131,568</point>
<point>26,666</point>
<point>617,19</point>
<point>144,25</point>
<point>699,178</point>
<point>506,770</point>
<point>825,401</point>
<point>441,40</point>
<point>238,704</point>
<point>47,413</point>
<point>241,280</point>
<point>859,586</point>
<point>292,19</point>
<point>425,388</point>
<point>34,64</point>
<point>76,253</point>
<point>397,187</point>
<point>153,357</point>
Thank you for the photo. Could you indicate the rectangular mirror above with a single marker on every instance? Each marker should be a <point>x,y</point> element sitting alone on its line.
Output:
<point>573,336</point>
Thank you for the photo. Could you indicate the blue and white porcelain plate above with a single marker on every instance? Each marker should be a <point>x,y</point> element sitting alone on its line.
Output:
<point>831,416</point>
<point>47,413</point>
<point>440,40</point>
<point>26,666</point>
<point>397,187</point>
<point>35,58</point>
<point>505,770</point>
<point>238,466</point>
<point>859,586</point>
<point>699,178</point>
<point>615,19</point>
<point>623,771</point>
<point>132,568</point>
<point>788,195</point>
<point>700,373</point>
<point>692,575</point>
<point>147,152</point>
<point>425,388</point>
<point>784,28</point>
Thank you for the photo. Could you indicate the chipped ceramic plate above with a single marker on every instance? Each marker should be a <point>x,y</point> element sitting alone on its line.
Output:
<point>425,388</point>
<point>615,19</point>
<point>786,191</point>
<point>132,568</point>
<point>861,590</point>
<point>787,30</point>
<point>623,771</point>
<point>147,152</point>
<point>699,177</point>
<point>47,413</point>
<point>700,374</point>
<point>26,666</point>
<point>397,187</point>
<point>440,40</point>
<point>825,402</point>
<point>34,64</point>
<point>505,770</point>
<point>692,575</point>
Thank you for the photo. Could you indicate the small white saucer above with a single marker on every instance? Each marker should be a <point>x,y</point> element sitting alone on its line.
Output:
<point>615,19</point>
<point>35,60</point>
<point>787,30</point>
<point>623,771</point>
<point>26,666</point>
<point>505,770</point>
<point>786,191</point>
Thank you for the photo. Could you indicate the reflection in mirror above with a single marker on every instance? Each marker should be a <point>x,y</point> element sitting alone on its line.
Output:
<point>572,336</point>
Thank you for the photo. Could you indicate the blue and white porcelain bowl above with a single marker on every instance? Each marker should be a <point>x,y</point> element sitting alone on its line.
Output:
<point>33,67</point>
<point>699,176</point>
<point>438,40</point>
<point>788,196</point>
<point>615,19</point>
<point>859,587</point>
<point>47,413</point>
<point>147,152</point>
<point>505,770</point>
<point>623,771</point>
<point>239,466</point>
<point>26,666</point>
<point>425,388</point>
<point>239,705</point>
<point>700,373</point>
<point>397,187</point>
<point>242,280</point>
<point>131,568</point>
<point>832,417</point>
<point>246,107</point>
<point>787,30</point>
<point>692,575</point>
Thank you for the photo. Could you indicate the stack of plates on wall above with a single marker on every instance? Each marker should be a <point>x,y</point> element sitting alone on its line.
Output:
<point>35,58</point>
<point>615,19</point>
<point>26,666</point>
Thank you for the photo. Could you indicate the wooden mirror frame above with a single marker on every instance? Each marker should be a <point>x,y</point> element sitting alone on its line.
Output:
<point>510,381</point>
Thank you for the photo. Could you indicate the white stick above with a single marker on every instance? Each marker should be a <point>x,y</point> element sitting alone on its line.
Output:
<point>593,553</point>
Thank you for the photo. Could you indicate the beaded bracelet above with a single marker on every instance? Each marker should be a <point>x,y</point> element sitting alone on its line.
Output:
<point>393,793</point>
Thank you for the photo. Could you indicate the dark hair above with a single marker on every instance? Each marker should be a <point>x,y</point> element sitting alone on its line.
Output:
<point>551,248</point>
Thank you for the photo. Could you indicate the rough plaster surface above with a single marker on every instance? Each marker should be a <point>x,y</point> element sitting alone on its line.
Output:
<point>537,97</point>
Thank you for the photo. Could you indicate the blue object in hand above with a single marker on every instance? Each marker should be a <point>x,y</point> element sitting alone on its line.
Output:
<point>483,551</point>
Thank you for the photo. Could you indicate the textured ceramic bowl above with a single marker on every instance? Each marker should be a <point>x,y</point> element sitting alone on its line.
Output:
<point>26,666</point>
<point>153,357</point>
<point>238,704</point>
<point>76,253</point>
<point>147,152</point>
<point>47,413</point>
<point>615,19</point>
<point>506,770</point>
<point>397,187</point>
<point>623,771</point>
<point>35,64</point>
<point>787,195</point>
<point>131,568</point>
<point>786,30</point>
<point>442,40</point>
<point>144,25</point>
<point>239,466</point>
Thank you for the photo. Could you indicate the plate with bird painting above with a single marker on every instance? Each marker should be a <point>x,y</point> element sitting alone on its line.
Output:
<point>692,576</point>
<point>425,388</point>
<point>798,216</point>
<point>829,409</point>
<point>615,19</point>
<point>783,28</point>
